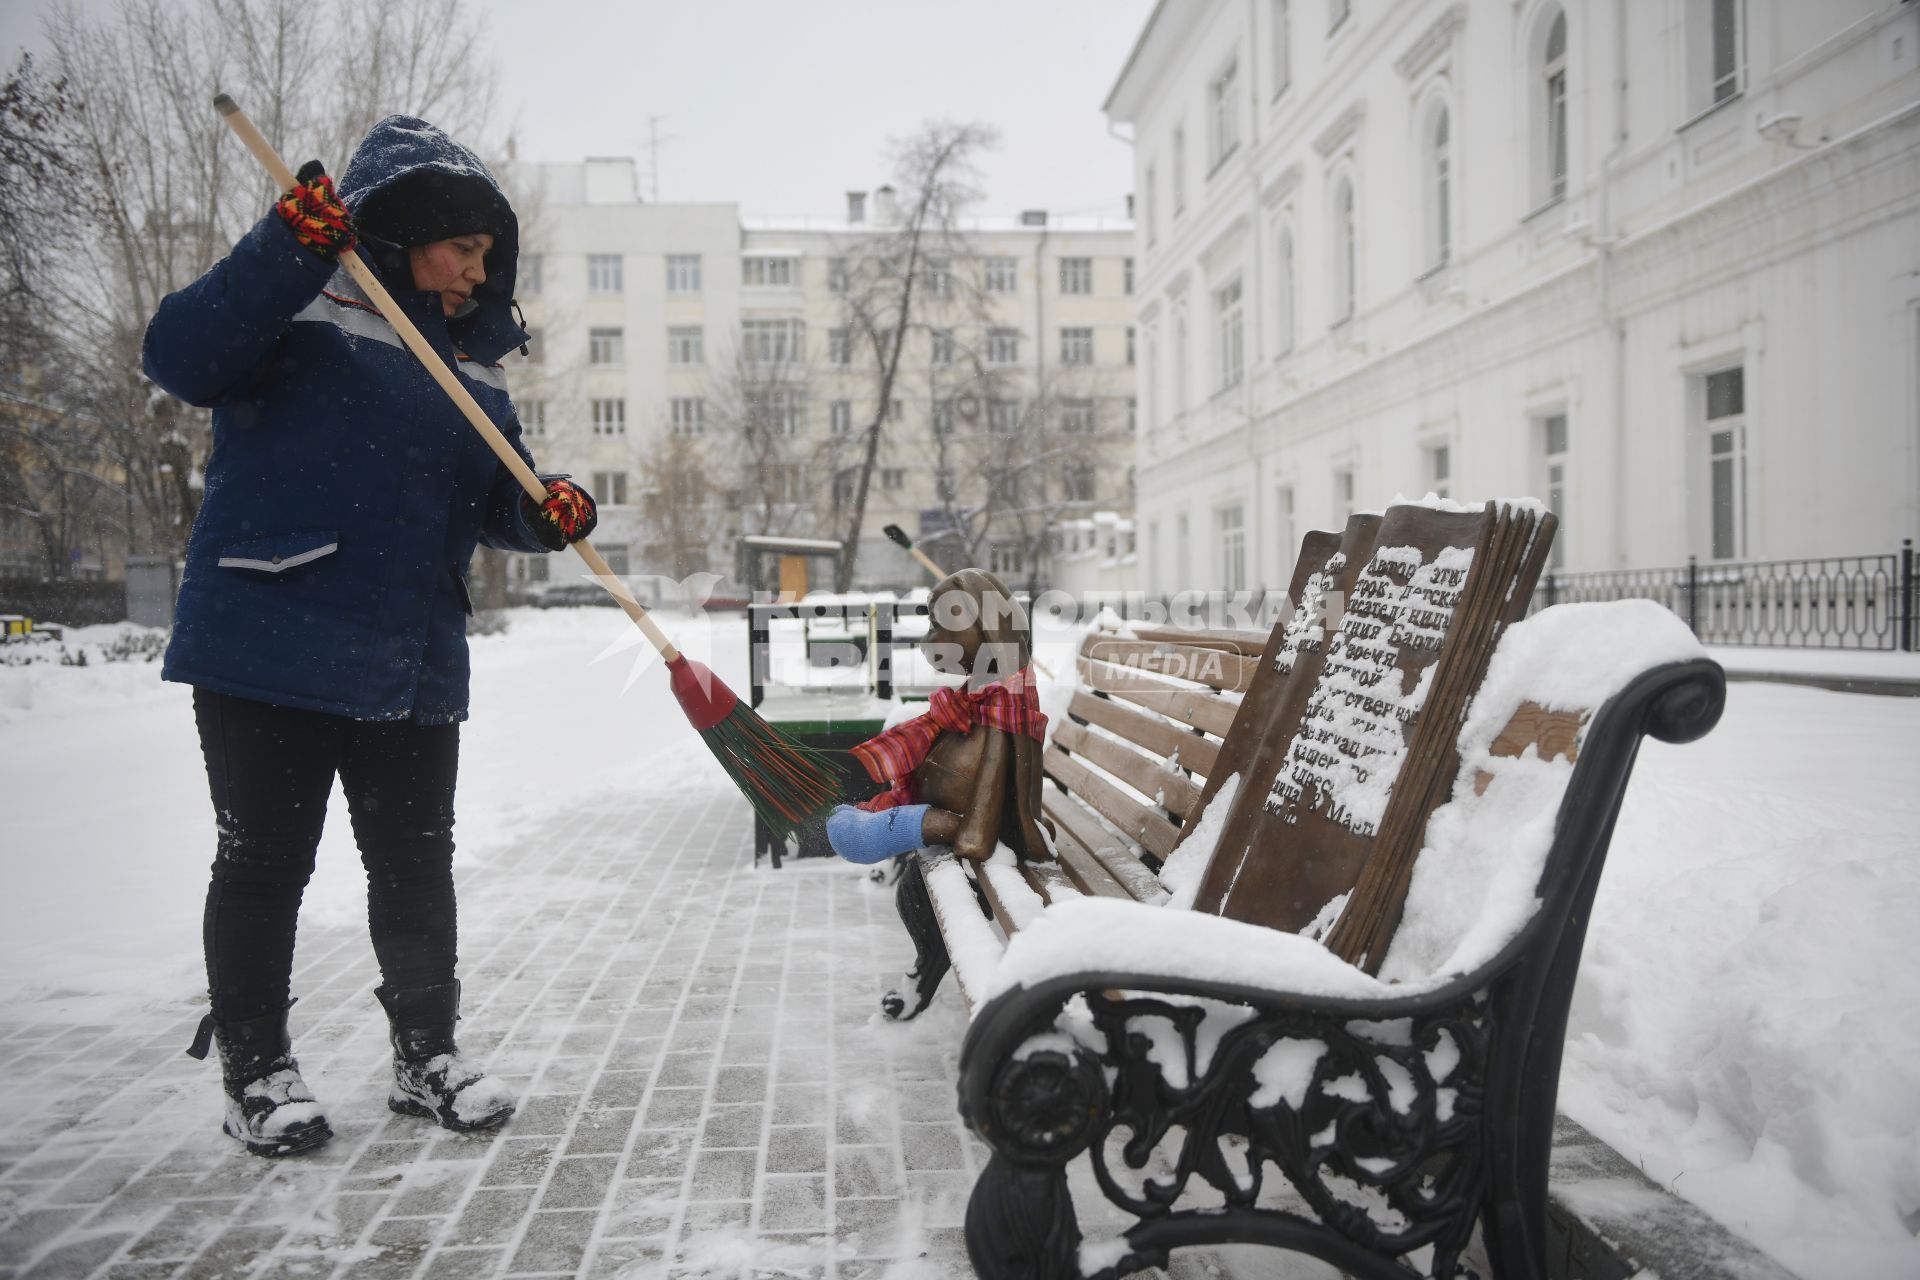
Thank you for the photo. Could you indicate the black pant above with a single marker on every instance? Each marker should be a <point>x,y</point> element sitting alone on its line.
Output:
<point>270,770</point>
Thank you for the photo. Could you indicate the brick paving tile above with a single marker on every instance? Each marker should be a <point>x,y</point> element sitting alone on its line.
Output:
<point>705,1091</point>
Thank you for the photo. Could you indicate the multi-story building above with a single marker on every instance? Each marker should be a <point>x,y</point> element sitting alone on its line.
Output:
<point>1656,263</point>
<point>1012,407</point>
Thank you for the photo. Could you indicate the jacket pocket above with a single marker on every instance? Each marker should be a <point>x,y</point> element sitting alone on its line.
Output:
<point>279,553</point>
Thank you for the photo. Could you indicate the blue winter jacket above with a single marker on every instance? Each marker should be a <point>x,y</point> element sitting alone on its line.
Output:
<point>345,492</point>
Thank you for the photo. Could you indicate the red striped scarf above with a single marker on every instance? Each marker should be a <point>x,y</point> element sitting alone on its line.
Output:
<point>1012,704</point>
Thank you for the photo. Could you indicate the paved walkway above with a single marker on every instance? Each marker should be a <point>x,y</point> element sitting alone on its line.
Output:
<point>706,1092</point>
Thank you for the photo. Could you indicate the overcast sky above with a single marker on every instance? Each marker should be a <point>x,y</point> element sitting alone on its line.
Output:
<point>784,106</point>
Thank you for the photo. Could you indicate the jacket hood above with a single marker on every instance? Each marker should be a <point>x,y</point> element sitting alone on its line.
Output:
<point>404,157</point>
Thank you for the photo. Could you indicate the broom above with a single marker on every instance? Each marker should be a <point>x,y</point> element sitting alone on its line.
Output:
<point>785,782</point>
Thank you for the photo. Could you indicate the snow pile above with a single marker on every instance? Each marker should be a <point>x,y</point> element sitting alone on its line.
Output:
<point>1186,867</point>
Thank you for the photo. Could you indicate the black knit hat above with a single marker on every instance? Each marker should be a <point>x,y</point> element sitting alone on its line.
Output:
<point>427,205</point>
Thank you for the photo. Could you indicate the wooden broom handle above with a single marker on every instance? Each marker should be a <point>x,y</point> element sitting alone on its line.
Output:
<point>927,562</point>
<point>449,381</point>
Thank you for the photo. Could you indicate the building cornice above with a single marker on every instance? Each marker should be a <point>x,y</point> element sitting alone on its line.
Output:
<point>1432,43</point>
<point>1281,187</point>
<point>1344,126</point>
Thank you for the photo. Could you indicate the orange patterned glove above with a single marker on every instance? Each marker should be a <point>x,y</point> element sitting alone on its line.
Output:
<point>567,515</point>
<point>318,219</point>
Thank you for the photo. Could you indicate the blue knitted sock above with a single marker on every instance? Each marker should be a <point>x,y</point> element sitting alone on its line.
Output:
<point>859,836</point>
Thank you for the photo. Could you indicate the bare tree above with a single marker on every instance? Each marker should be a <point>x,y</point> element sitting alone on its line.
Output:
<point>160,188</point>
<point>685,509</point>
<point>768,459</point>
<point>887,275</point>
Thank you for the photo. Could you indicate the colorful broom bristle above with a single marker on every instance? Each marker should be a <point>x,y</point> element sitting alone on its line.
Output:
<point>785,782</point>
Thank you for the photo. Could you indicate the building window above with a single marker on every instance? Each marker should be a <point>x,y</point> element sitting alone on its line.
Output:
<point>606,346</point>
<point>941,420</point>
<point>1230,532</point>
<point>893,477</point>
<point>533,418</point>
<point>1004,558</point>
<point>603,273</point>
<point>767,272</point>
<point>684,345</point>
<point>1003,416</point>
<point>1230,332</point>
<point>1078,482</point>
<point>1223,115</point>
<point>1727,461</point>
<point>1180,385</point>
<point>1439,185</point>
<point>610,488</point>
<point>683,273</point>
<point>1150,379</point>
<point>777,410</point>
<point>839,348</point>
<point>610,417</point>
<point>1552,123</point>
<point>1179,171</point>
<point>1440,470</point>
<point>1126,275</point>
<point>944,486</point>
<point>1345,258</point>
<point>1337,13</point>
<point>1283,291</point>
<point>940,277</point>
<point>1182,552</point>
<point>1282,47</point>
<point>1130,344</point>
<point>1003,346</point>
<point>1001,275</point>
<point>836,275</point>
<point>1076,275</point>
<point>1133,418</point>
<point>1716,51</point>
<point>1552,444</point>
<point>1076,346</point>
<point>1342,495</point>
<point>1283,520</point>
<point>1076,417</point>
<point>1153,219</point>
<point>527,280</point>
<point>616,557</point>
<point>840,417</point>
<point>772,341</point>
<point>689,415</point>
<point>942,346</point>
<point>843,486</point>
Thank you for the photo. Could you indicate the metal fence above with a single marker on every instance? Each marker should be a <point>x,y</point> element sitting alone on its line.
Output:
<point>1841,602</point>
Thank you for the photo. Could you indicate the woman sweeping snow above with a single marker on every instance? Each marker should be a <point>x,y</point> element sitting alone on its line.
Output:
<point>322,614</point>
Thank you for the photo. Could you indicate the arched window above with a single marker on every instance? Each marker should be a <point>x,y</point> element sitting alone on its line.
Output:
<point>1552,106</point>
<point>1439,186</point>
<point>1283,291</point>
<point>1345,257</point>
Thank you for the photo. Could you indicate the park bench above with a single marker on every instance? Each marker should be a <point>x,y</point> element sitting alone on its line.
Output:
<point>1191,1057</point>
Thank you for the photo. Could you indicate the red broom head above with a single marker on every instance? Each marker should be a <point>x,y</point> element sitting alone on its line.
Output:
<point>702,696</point>
<point>786,782</point>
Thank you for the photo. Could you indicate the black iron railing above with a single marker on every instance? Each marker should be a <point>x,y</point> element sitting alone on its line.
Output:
<point>1840,602</point>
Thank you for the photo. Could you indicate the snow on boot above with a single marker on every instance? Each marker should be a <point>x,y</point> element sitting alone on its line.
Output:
<point>270,1110</point>
<point>430,1077</point>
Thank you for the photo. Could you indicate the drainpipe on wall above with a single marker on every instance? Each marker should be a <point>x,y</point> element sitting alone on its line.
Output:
<point>1616,329</point>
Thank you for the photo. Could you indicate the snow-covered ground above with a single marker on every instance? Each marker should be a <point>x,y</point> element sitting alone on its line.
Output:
<point>1747,1026</point>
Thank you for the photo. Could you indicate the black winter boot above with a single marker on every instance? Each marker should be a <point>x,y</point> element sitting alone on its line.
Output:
<point>270,1110</point>
<point>430,1078</point>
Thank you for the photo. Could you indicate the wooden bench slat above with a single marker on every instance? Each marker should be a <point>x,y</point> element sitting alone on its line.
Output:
<point>1135,820</point>
<point>1215,668</point>
<point>1049,881</point>
<point>1084,871</point>
<point>1075,824</point>
<point>1015,903</point>
<point>1201,708</point>
<point>1248,644</point>
<point>1168,741</point>
<point>968,935</point>
<point>1166,787</point>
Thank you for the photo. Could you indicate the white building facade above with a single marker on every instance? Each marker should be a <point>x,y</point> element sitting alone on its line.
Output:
<point>1656,262</point>
<point>655,320</point>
